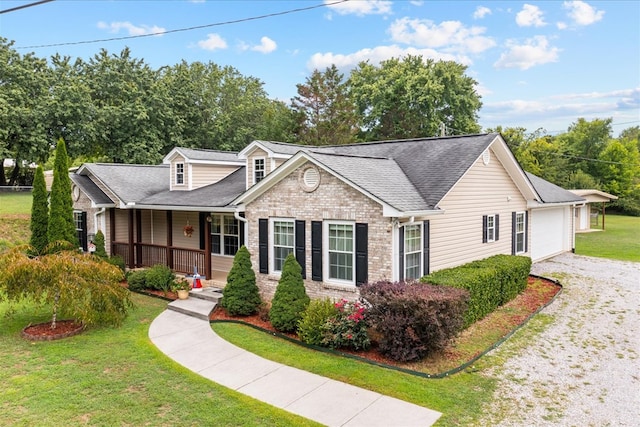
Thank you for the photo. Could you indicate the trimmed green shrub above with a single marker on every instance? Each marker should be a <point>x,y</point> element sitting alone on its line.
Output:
<point>137,280</point>
<point>160,277</point>
<point>241,296</point>
<point>118,261</point>
<point>310,327</point>
<point>291,299</point>
<point>39,213</point>
<point>99,242</point>
<point>347,328</point>
<point>513,273</point>
<point>413,319</point>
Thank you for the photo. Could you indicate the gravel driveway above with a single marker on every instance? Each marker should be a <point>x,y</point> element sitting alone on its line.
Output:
<point>584,368</point>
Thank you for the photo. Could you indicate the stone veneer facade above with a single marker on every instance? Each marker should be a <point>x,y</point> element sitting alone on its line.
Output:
<point>331,200</point>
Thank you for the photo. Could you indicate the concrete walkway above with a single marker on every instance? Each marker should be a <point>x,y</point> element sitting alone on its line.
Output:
<point>192,343</point>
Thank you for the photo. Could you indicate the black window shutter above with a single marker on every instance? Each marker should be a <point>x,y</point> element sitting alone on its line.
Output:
<point>362,253</point>
<point>526,231</point>
<point>425,248</point>
<point>263,245</point>
<point>484,229</point>
<point>83,233</point>
<point>401,254</point>
<point>316,250</point>
<point>202,219</point>
<point>513,233</point>
<point>300,247</point>
<point>496,223</point>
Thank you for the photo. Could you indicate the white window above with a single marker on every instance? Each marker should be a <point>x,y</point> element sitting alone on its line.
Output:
<point>413,252</point>
<point>340,251</point>
<point>258,170</point>
<point>283,242</point>
<point>520,232</point>
<point>225,235</point>
<point>491,228</point>
<point>179,173</point>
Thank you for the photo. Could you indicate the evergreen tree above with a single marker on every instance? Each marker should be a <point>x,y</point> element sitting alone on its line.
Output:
<point>241,296</point>
<point>291,299</point>
<point>39,213</point>
<point>61,225</point>
<point>99,242</point>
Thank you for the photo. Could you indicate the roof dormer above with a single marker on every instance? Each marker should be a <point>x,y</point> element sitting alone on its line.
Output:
<point>194,168</point>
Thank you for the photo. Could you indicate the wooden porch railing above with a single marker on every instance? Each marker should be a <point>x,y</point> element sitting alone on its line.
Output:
<point>180,260</point>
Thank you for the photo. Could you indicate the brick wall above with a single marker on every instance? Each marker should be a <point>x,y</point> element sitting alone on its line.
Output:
<point>332,200</point>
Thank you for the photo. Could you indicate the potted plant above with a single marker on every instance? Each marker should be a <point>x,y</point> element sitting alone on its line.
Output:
<point>181,286</point>
<point>188,230</point>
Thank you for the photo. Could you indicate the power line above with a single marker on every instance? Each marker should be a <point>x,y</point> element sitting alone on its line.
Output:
<point>198,27</point>
<point>594,160</point>
<point>24,6</point>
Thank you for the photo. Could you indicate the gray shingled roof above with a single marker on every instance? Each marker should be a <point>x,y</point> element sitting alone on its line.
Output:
<point>219,194</point>
<point>131,183</point>
<point>209,155</point>
<point>431,165</point>
<point>551,193</point>
<point>94,192</point>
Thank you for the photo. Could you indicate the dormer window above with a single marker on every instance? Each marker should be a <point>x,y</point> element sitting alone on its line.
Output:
<point>258,170</point>
<point>179,173</point>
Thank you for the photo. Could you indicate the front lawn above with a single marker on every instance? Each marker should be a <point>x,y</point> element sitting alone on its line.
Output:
<point>112,376</point>
<point>620,240</point>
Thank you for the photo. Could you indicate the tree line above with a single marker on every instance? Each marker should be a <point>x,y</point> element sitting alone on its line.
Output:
<point>116,108</point>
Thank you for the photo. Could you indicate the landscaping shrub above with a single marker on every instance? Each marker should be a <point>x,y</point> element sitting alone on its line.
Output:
<point>160,277</point>
<point>314,318</point>
<point>137,280</point>
<point>347,328</point>
<point>413,319</point>
<point>118,261</point>
<point>241,296</point>
<point>100,248</point>
<point>491,282</point>
<point>291,299</point>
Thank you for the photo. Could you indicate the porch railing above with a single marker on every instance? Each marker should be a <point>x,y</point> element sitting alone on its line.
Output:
<point>181,260</point>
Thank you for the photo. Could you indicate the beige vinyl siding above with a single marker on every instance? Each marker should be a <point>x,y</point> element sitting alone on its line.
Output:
<point>220,267</point>
<point>179,159</point>
<point>456,236</point>
<point>122,225</point>
<point>202,174</point>
<point>257,153</point>
<point>159,219</point>
<point>179,221</point>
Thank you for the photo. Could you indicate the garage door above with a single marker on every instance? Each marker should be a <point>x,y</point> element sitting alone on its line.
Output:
<point>549,233</point>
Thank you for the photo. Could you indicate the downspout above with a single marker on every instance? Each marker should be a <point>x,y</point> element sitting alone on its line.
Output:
<point>95,220</point>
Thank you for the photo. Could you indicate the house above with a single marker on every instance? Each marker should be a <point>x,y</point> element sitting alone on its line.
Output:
<point>588,214</point>
<point>353,213</point>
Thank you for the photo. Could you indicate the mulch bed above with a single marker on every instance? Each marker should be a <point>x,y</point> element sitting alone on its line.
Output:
<point>43,331</point>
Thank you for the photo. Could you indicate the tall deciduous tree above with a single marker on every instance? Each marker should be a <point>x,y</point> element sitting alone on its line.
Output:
<point>326,113</point>
<point>61,224</point>
<point>411,97</point>
<point>39,213</point>
<point>585,140</point>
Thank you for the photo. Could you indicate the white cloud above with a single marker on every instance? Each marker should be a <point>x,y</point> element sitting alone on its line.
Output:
<point>376,55</point>
<point>417,2</point>
<point>360,7</point>
<point>131,29</point>
<point>561,25</point>
<point>530,16</point>
<point>535,51</point>
<point>452,36</point>
<point>481,12</point>
<point>266,45</point>
<point>582,13</point>
<point>212,42</point>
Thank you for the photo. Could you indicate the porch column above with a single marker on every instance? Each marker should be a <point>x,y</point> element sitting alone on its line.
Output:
<point>170,239</point>
<point>603,205</point>
<point>207,247</point>
<point>112,229</point>
<point>138,238</point>
<point>132,261</point>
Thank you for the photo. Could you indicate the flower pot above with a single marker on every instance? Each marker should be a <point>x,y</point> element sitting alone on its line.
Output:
<point>183,293</point>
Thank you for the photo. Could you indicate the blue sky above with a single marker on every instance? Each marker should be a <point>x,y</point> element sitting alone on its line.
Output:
<point>537,64</point>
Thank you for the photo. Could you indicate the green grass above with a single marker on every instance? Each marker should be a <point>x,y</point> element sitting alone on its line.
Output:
<point>620,240</point>
<point>112,376</point>
<point>15,203</point>
<point>460,397</point>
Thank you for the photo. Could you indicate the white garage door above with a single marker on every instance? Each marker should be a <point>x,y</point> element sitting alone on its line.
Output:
<point>549,232</point>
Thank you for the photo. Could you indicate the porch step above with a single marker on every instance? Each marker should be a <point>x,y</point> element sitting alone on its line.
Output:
<point>208,294</point>
<point>194,307</point>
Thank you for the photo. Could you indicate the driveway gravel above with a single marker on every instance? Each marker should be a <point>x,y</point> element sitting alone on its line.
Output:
<point>584,368</point>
